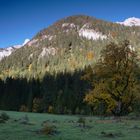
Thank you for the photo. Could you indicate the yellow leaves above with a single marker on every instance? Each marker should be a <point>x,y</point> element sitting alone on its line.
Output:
<point>6,71</point>
<point>36,104</point>
<point>90,56</point>
<point>88,74</point>
<point>100,94</point>
<point>30,67</point>
<point>47,68</point>
<point>111,104</point>
<point>72,62</point>
<point>113,78</point>
<point>105,97</point>
<point>23,108</point>
<point>50,109</point>
<point>114,34</point>
<point>89,98</point>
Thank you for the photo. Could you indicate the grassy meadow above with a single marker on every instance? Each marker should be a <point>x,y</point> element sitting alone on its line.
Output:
<point>68,127</point>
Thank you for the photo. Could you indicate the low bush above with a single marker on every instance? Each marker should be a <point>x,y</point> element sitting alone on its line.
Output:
<point>82,121</point>
<point>48,129</point>
<point>4,116</point>
<point>111,135</point>
<point>24,120</point>
<point>23,108</point>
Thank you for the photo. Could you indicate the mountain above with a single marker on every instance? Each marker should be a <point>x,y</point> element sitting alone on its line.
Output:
<point>4,52</point>
<point>131,22</point>
<point>68,45</point>
<point>44,75</point>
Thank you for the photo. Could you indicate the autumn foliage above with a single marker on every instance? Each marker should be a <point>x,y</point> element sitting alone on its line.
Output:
<point>115,85</point>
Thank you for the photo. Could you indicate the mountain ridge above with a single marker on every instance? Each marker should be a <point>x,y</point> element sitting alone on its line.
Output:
<point>4,52</point>
<point>69,44</point>
<point>132,21</point>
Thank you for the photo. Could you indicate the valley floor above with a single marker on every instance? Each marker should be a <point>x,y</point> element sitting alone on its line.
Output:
<point>67,128</point>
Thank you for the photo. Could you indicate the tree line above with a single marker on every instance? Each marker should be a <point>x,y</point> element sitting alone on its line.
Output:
<point>61,93</point>
<point>111,87</point>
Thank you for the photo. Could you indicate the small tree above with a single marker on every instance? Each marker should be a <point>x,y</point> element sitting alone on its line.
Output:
<point>50,109</point>
<point>37,105</point>
<point>114,79</point>
<point>23,108</point>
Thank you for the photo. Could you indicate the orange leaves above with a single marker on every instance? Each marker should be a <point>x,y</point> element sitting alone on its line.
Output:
<point>72,62</point>
<point>30,67</point>
<point>89,98</point>
<point>90,56</point>
<point>6,71</point>
<point>114,34</point>
<point>36,104</point>
<point>50,109</point>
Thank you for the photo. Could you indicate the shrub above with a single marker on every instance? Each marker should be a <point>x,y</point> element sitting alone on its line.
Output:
<point>81,121</point>
<point>69,112</point>
<point>37,105</point>
<point>50,109</point>
<point>111,135</point>
<point>48,129</point>
<point>24,120</point>
<point>82,112</point>
<point>77,110</point>
<point>23,108</point>
<point>4,116</point>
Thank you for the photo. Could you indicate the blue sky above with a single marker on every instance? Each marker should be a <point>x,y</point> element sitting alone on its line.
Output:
<point>21,19</point>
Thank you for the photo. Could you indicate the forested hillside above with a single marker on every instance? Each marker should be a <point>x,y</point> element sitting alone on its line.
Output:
<point>69,44</point>
<point>45,74</point>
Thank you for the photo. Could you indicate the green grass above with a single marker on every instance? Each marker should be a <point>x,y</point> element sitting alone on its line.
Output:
<point>68,128</point>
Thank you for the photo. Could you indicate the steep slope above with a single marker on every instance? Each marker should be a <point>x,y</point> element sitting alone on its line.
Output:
<point>69,44</point>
